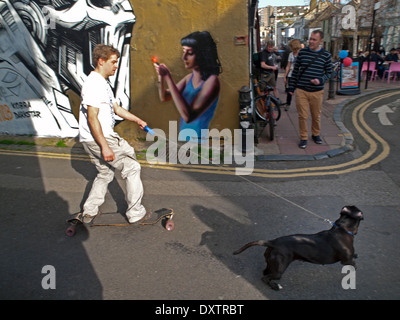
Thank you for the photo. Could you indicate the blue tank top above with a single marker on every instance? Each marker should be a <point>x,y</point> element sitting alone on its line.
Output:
<point>202,121</point>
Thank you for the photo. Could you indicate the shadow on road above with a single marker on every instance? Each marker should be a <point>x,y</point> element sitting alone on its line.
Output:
<point>33,236</point>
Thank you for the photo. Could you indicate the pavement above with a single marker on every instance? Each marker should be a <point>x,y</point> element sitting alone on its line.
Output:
<point>336,138</point>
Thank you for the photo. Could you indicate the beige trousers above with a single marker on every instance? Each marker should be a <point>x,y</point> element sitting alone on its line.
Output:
<point>309,102</point>
<point>125,161</point>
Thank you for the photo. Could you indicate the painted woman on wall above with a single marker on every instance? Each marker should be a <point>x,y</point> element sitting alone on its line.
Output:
<point>196,95</point>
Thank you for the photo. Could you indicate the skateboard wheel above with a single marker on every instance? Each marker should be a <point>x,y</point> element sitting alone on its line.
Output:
<point>70,232</point>
<point>170,225</point>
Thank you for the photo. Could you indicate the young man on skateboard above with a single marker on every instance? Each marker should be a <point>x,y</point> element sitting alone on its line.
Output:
<point>107,150</point>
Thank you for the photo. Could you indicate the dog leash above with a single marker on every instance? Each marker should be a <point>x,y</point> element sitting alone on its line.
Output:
<point>288,201</point>
<point>298,206</point>
<point>265,189</point>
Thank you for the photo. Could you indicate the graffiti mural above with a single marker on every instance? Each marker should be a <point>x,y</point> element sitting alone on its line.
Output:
<point>45,50</point>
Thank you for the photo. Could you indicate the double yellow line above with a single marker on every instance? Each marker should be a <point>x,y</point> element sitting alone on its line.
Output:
<point>370,158</point>
<point>39,154</point>
<point>367,160</point>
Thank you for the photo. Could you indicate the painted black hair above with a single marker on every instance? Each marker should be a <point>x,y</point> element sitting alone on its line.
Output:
<point>206,52</point>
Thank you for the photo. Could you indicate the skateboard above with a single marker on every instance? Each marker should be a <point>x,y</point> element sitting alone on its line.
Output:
<point>115,219</point>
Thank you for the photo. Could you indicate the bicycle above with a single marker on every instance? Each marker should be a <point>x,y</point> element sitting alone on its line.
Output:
<point>267,106</point>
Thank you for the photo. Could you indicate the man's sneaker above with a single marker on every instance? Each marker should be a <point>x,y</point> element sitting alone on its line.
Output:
<point>87,219</point>
<point>138,221</point>
<point>317,139</point>
<point>303,144</point>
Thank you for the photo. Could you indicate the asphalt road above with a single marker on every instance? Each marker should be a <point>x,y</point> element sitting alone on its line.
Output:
<point>216,213</point>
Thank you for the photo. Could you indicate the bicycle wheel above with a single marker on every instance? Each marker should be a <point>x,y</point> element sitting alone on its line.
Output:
<point>261,109</point>
<point>276,109</point>
<point>271,122</point>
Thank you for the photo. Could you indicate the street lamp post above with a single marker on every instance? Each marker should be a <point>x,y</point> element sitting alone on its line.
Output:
<point>276,25</point>
<point>376,7</point>
<point>272,27</point>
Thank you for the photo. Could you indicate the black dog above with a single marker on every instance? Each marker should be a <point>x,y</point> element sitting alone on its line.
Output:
<point>325,247</point>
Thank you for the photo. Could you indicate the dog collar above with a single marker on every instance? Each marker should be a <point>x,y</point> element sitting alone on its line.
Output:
<point>349,232</point>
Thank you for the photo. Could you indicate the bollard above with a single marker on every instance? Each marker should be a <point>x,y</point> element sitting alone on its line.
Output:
<point>331,92</point>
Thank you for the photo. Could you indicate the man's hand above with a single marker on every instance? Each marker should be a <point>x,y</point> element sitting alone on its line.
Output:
<point>266,66</point>
<point>107,153</point>
<point>97,132</point>
<point>141,123</point>
<point>315,82</point>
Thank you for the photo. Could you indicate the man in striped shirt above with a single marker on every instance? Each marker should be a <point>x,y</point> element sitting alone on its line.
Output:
<point>312,69</point>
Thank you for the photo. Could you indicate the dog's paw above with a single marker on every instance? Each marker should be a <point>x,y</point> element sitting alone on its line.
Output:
<point>274,286</point>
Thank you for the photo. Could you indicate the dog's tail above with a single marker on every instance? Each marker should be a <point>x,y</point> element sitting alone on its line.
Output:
<point>254,243</point>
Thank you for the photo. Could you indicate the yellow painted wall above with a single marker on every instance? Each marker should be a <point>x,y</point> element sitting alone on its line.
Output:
<point>159,27</point>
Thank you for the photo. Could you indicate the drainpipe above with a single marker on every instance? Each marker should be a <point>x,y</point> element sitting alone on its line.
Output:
<point>252,6</point>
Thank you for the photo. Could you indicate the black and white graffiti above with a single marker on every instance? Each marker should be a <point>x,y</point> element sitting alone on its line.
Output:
<point>45,50</point>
